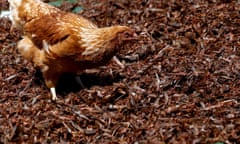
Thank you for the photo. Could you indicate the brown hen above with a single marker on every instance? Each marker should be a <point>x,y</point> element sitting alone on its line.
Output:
<point>58,42</point>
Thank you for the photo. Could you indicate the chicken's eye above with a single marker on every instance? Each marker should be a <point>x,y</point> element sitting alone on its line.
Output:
<point>126,34</point>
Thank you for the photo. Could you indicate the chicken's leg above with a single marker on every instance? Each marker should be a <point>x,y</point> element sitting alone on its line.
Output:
<point>79,81</point>
<point>51,77</point>
<point>53,92</point>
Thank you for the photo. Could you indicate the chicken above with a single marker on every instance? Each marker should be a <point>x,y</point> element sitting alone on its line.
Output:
<point>59,42</point>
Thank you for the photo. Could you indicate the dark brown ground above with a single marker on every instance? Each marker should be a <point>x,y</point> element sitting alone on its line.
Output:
<point>180,82</point>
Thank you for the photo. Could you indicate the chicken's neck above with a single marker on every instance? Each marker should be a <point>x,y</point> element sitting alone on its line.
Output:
<point>100,42</point>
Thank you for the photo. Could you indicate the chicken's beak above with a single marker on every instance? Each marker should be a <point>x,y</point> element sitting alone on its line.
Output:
<point>133,37</point>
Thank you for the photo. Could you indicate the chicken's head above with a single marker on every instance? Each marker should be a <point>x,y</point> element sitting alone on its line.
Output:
<point>126,34</point>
